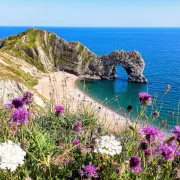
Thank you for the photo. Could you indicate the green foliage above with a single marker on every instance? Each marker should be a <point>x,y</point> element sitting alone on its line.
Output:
<point>51,154</point>
<point>81,48</point>
<point>13,72</point>
<point>24,46</point>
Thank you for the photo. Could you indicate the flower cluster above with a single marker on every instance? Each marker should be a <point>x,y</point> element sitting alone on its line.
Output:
<point>77,126</point>
<point>11,156</point>
<point>169,151</point>
<point>144,146</point>
<point>27,97</point>
<point>18,102</point>
<point>76,142</point>
<point>150,133</point>
<point>135,164</point>
<point>59,109</point>
<point>20,116</point>
<point>108,145</point>
<point>145,99</point>
<point>90,171</point>
<point>176,132</point>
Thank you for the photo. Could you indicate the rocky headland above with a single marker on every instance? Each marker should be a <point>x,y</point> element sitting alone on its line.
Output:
<point>26,57</point>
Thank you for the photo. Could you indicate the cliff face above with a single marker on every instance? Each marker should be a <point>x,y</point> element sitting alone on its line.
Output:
<point>1,42</point>
<point>48,52</point>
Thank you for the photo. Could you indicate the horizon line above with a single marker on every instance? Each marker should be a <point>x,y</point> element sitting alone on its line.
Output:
<point>30,26</point>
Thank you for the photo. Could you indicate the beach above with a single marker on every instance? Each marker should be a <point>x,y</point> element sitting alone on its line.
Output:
<point>60,87</point>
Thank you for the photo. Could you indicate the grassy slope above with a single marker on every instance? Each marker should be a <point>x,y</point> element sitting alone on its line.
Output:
<point>24,49</point>
<point>11,71</point>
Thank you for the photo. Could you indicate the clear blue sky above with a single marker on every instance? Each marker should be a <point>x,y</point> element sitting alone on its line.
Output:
<point>94,13</point>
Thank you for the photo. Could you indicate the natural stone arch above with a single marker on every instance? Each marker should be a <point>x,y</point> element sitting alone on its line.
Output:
<point>49,52</point>
<point>132,62</point>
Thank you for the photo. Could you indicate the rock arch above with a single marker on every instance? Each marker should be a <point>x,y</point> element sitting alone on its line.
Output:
<point>132,62</point>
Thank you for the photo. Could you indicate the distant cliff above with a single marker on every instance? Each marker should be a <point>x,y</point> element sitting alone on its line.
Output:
<point>48,52</point>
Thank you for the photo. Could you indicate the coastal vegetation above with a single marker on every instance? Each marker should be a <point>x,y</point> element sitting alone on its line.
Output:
<point>47,137</point>
<point>59,144</point>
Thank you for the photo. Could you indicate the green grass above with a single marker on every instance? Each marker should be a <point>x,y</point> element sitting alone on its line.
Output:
<point>52,155</point>
<point>25,50</point>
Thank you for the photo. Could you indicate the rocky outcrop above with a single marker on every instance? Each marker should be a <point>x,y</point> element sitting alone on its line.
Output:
<point>10,88</point>
<point>132,62</point>
<point>48,52</point>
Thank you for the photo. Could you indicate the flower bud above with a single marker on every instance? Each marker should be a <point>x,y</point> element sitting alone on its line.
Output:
<point>156,114</point>
<point>130,108</point>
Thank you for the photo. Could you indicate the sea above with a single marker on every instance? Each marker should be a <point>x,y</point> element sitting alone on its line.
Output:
<point>160,49</point>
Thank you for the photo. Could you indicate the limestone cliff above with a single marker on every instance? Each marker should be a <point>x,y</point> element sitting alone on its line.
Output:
<point>48,52</point>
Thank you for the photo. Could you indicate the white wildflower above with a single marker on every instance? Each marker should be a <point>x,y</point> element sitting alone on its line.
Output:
<point>108,145</point>
<point>11,155</point>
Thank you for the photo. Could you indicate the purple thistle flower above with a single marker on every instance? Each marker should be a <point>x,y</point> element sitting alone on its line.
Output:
<point>150,133</point>
<point>145,99</point>
<point>135,164</point>
<point>27,97</point>
<point>169,151</point>
<point>77,126</point>
<point>76,142</point>
<point>147,152</point>
<point>89,171</point>
<point>77,123</point>
<point>176,132</point>
<point>17,102</point>
<point>20,116</point>
<point>59,109</point>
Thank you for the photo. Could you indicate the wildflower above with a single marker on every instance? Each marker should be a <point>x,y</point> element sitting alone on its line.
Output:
<point>130,108</point>
<point>76,142</point>
<point>77,126</point>
<point>156,114</point>
<point>145,99</point>
<point>18,102</point>
<point>176,132</point>
<point>59,109</point>
<point>108,145</point>
<point>27,97</point>
<point>169,151</point>
<point>11,156</point>
<point>135,164</point>
<point>147,152</point>
<point>150,133</point>
<point>90,171</point>
<point>20,116</point>
<point>144,145</point>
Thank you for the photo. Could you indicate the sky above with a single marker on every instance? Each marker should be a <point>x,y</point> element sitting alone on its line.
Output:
<point>90,13</point>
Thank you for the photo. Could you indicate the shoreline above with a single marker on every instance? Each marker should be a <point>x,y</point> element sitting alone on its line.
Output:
<point>98,102</point>
<point>65,89</point>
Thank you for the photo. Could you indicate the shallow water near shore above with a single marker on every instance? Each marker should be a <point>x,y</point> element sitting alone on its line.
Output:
<point>159,47</point>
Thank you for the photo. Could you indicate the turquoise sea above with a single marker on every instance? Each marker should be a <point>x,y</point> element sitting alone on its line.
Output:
<point>160,48</point>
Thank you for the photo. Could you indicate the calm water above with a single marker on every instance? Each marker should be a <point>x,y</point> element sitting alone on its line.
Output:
<point>160,48</point>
